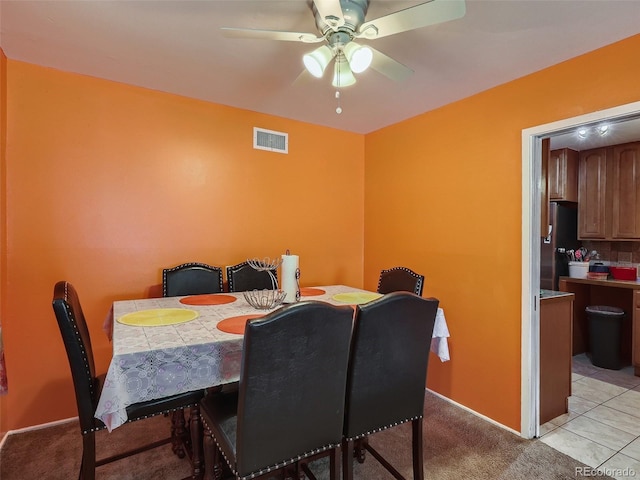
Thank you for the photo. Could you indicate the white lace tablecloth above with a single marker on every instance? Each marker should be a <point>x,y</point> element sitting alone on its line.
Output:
<point>155,362</point>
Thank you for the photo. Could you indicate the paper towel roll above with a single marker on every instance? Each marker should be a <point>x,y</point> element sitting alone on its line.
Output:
<point>289,281</point>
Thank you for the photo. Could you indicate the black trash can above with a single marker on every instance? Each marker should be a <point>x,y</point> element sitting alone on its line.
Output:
<point>605,336</point>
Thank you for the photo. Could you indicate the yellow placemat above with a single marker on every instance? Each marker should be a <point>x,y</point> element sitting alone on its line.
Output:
<point>158,317</point>
<point>356,298</point>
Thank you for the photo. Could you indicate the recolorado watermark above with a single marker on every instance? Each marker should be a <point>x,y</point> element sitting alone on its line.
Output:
<point>610,472</point>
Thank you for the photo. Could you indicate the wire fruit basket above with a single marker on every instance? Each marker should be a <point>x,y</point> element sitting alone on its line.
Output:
<point>265,299</point>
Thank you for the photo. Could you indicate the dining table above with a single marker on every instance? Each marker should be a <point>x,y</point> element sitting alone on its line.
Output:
<point>171,345</point>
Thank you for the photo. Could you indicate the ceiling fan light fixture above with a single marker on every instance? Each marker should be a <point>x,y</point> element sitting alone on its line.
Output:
<point>342,74</point>
<point>359,57</point>
<point>316,62</point>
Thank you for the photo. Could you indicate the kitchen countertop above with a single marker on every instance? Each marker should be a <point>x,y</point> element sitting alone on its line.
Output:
<point>548,294</point>
<point>634,285</point>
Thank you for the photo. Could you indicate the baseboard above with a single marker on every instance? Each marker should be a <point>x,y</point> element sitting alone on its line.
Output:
<point>484,417</point>
<point>447,399</point>
<point>35,427</point>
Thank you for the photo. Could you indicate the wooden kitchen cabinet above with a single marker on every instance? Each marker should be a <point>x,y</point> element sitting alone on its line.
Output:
<point>609,193</point>
<point>556,319</point>
<point>614,293</point>
<point>563,175</point>
<point>625,212</point>
<point>592,183</point>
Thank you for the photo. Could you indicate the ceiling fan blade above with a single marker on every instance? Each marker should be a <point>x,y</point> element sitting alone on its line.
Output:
<point>331,12</point>
<point>429,13</point>
<point>270,35</point>
<point>389,67</point>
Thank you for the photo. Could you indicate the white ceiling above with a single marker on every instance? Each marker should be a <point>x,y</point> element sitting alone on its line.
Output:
<point>177,47</point>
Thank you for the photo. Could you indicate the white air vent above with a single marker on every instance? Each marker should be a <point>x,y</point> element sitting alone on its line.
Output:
<point>270,140</point>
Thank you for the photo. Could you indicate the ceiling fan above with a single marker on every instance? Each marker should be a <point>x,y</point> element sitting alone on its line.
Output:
<point>339,22</point>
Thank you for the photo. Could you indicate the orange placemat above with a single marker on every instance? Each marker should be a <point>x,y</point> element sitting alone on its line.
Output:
<point>356,298</point>
<point>311,292</point>
<point>208,299</point>
<point>236,324</point>
<point>158,317</point>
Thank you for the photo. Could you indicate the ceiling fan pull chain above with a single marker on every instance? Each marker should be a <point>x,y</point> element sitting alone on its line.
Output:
<point>337,66</point>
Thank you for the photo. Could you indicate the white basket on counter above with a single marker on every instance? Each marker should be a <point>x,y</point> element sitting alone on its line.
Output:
<point>578,269</point>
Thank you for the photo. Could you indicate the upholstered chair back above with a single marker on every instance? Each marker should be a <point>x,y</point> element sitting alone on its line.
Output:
<point>400,279</point>
<point>191,279</point>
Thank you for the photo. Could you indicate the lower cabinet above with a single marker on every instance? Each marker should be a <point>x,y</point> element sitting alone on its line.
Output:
<point>556,319</point>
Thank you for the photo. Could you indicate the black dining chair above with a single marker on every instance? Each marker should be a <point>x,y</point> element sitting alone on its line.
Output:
<point>243,277</point>
<point>88,385</point>
<point>191,279</point>
<point>290,403</point>
<point>387,375</point>
<point>400,279</point>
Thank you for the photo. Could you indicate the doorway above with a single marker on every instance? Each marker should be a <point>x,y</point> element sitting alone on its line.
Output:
<point>530,298</point>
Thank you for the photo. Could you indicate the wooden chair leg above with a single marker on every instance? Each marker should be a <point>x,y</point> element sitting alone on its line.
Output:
<point>293,472</point>
<point>178,433</point>
<point>418,465</point>
<point>88,466</point>
<point>211,457</point>
<point>195,427</point>
<point>360,449</point>
<point>347,460</point>
<point>334,464</point>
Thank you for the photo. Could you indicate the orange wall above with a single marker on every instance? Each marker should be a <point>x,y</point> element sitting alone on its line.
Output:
<point>3,243</point>
<point>443,196</point>
<point>108,183</point>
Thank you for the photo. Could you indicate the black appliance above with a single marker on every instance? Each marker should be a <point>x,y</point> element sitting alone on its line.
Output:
<point>563,235</point>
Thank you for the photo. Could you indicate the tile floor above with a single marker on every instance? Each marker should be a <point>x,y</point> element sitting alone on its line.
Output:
<point>602,428</point>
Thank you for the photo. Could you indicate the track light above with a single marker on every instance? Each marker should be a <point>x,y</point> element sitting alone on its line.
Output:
<point>342,75</point>
<point>316,62</point>
<point>359,57</point>
<point>602,130</point>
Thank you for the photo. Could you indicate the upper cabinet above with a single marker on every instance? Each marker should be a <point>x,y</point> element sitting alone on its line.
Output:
<point>625,221</point>
<point>592,194</point>
<point>609,193</point>
<point>563,175</point>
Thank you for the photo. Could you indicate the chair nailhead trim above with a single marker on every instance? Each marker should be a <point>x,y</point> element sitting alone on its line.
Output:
<point>211,268</point>
<point>409,271</point>
<point>395,424</point>
<point>74,324</point>
<point>270,468</point>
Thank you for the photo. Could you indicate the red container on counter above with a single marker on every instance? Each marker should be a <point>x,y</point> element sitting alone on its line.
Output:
<point>623,273</point>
